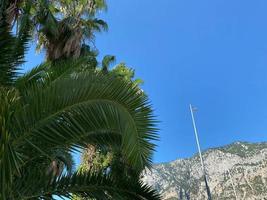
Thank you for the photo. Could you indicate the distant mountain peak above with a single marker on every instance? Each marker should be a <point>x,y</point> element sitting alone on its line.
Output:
<point>182,179</point>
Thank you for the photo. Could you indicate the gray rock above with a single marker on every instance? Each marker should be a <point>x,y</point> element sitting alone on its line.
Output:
<point>182,178</point>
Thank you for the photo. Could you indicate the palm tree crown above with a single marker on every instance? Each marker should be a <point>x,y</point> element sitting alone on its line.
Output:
<point>63,26</point>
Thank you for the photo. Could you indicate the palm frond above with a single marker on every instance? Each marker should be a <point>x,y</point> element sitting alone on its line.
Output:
<point>12,50</point>
<point>88,104</point>
<point>95,24</point>
<point>107,61</point>
<point>8,64</point>
<point>89,185</point>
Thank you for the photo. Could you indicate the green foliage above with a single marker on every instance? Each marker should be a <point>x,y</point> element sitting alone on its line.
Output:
<point>63,106</point>
<point>12,47</point>
<point>126,73</point>
<point>70,106</point>
<point>107,61</point>
<point>95,156</point>
<point>109,160</point>
<point>63,26</point>
<point>96,159</point>
<point>88,186</point>
<point>121,70</point>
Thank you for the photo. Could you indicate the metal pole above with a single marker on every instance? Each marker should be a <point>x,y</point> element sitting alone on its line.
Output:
<point>200,154</point>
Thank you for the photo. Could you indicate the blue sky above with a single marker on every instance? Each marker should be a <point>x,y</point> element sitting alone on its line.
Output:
<point>212,54</point>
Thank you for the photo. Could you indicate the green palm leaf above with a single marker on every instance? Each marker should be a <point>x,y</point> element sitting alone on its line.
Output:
<point>57,109</point>
<point>12,49</point>
<point>88,185</point>
<point>86,104</point>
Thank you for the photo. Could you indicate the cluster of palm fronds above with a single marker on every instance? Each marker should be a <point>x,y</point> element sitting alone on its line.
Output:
<point>62,106</point>
<point>62,27</point>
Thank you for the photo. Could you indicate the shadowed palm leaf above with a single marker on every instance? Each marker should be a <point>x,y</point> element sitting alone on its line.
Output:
<point>88,186</point>
<point>11,49</point>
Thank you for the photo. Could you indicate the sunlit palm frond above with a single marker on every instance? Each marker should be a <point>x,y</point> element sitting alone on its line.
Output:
<point>88,104</point>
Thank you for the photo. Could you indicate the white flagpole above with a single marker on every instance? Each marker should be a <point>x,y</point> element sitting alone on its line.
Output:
<point>200,154</point>
<point>196,135</point>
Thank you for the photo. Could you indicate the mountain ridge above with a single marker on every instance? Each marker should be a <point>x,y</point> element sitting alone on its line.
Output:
<point>182,178</point>
<point>210,148</point>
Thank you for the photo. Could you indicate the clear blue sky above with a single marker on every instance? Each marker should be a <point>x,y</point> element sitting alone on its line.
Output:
<point>212,54</point>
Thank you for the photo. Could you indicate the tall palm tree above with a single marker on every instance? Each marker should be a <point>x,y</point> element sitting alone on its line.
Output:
<point>59,108</point>
<point>63,26</point>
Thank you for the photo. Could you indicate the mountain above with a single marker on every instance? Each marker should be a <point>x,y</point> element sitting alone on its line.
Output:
<point>236,171</point>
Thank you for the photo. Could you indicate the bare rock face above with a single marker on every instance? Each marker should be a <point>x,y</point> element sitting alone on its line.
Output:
<point>235,172</point>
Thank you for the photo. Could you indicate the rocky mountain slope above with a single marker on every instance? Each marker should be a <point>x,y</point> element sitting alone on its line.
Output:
<point>245,162</point>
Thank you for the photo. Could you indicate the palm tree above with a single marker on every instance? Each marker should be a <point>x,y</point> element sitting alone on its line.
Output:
<point>58,108</point>
<point>63,26</point>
